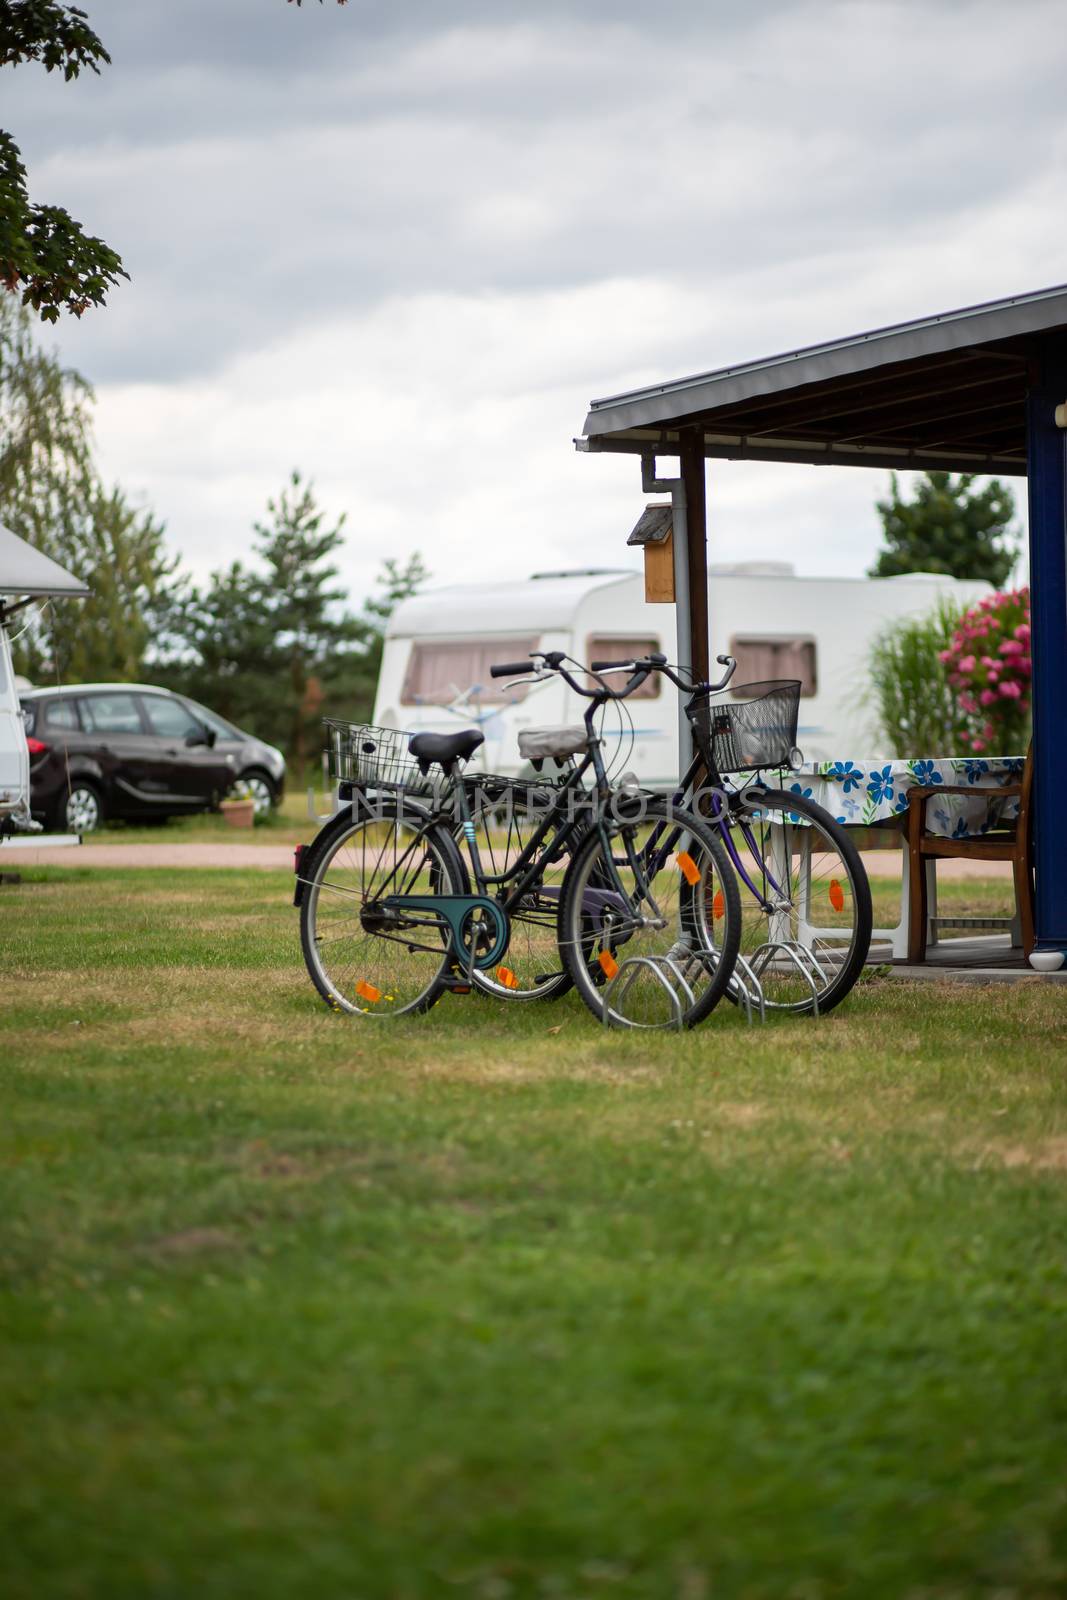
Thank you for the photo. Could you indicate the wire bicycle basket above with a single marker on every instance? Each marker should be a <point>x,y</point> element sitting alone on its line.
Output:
<point>756,727</point>
<point>372,758</point>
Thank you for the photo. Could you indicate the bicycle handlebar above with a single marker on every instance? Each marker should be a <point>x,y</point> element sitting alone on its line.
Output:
<point>511,669</point>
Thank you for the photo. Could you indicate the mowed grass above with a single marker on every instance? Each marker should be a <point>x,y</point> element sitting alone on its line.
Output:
<point>494,1304</point>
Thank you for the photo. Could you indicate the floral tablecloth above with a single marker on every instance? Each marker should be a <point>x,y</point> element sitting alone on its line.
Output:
<point>862,793</point>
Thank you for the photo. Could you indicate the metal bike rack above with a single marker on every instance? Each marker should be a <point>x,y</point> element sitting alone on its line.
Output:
<point>789,948</point>
<point>745,989</point>
<point>623,980</point>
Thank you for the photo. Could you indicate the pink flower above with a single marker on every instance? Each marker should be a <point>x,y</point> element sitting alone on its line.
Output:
<point>989,730</point>
<point>1023,632</point>
<point>967,664</point>
<point>1011,647</point>
<point>987,661</point>
<point>968,703</point>
<point>977,744</point>
<point>1009,690</point>
<point>944,655</point>
<point>987,697</point>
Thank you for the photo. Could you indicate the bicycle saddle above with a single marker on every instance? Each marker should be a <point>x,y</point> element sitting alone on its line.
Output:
<point>535,744</point>
<point>447,748</point>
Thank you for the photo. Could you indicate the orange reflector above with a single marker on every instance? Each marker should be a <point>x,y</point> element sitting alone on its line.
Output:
<point>837,895</point>
<point>688,867</point>
<point>507,978</point>
<point>608,963</point>
<point>718,906</point>
<point>367,991</point>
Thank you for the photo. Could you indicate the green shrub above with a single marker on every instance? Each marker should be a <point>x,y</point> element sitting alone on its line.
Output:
<point>918,712</point>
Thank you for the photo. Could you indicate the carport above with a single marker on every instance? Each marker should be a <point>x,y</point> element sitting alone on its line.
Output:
<point>982,389</point>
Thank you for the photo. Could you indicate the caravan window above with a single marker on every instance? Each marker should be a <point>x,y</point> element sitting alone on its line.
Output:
<point>616,647</point>
<point>441,670</point>
<point>775,656</point>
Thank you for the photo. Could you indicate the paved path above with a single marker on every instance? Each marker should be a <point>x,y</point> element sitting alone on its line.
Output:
<point>879,863</point>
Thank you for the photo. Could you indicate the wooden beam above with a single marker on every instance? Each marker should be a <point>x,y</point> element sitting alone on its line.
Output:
<point>692,467</point>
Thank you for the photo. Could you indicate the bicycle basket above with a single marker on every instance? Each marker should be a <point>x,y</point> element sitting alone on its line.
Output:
<point>374,758</point>
<point>756,727</point>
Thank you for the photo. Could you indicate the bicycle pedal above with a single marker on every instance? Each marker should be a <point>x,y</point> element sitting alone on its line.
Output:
<point>456,983</point>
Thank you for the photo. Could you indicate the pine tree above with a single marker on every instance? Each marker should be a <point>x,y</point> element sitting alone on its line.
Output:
<point>949,526</point>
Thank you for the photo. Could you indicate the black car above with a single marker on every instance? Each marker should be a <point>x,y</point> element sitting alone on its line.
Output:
<point>133,751</point>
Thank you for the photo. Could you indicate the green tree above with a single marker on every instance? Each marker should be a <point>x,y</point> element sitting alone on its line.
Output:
<point>44,253</point>
<point>272,646</point>
<point>949,526</point>
<point>51,495</point>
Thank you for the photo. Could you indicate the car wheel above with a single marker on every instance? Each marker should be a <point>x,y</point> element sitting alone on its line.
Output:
<point>261,791</point>
<point>83,811</point>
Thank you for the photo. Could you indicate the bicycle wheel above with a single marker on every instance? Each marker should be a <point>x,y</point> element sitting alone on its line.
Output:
<point>532,968</point>
<point>650,919</point>
<point>805,900</point>
<point>364,956</point>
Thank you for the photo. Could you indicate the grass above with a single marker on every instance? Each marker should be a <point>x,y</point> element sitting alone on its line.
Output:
<point>289,823</point>
<point>492,1304</point>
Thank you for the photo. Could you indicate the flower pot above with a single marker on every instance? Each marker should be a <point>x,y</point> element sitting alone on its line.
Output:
<point>239,813</point>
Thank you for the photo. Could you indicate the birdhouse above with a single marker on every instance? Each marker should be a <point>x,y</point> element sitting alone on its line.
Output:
<point>654,533</point>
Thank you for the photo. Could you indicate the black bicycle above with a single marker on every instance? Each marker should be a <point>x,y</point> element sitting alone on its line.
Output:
<point>393,915</point>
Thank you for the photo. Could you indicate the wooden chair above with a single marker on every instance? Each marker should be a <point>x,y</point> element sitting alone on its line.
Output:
<point>1011,843</point>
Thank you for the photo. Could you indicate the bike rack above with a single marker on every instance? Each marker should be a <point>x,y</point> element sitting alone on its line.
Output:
<point>624,979</point>
<point>789,948</point>
<point>745,989</point>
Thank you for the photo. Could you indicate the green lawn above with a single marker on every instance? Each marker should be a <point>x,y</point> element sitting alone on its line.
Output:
<point>494,1304</point>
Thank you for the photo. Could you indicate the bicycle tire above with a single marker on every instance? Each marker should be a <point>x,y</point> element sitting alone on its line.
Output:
<point>371,976</point>
<point>841,874</point>
<point>685,932</point>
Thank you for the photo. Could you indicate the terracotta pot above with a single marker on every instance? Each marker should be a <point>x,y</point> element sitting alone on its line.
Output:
<point>239,813</point>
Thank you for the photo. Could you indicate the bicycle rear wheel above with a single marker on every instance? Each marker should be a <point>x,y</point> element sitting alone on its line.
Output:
<point>650,919</point>
<point>805,901</point>
<point>366,957</point>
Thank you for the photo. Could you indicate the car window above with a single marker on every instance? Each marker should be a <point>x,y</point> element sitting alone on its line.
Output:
<point>61,714</point>
<point>169,719</point>
<point>29,716</point>
<point>111,713</point>
<point>224,729</point>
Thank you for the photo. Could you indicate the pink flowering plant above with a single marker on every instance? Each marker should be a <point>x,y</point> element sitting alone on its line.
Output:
<point>988,667</point>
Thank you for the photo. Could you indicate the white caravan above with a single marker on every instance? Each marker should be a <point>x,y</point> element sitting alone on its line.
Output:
<point>25,575</point>
<point>440,645</point>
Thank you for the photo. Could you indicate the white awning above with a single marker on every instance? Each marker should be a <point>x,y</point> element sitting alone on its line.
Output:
<point>24,571</point>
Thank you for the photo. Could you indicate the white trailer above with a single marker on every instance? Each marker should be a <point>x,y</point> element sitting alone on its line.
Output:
<point>440,645</point>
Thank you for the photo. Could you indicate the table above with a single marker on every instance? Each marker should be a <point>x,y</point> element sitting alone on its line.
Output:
<point>869,792</point>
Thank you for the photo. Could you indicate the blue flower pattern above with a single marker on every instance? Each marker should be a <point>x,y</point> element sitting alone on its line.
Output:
<point>888,784</point>
<point>846,774</point>
<point>880,786</point>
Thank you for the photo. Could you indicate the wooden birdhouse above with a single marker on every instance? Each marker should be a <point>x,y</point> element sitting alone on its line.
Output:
<point>654,533</point>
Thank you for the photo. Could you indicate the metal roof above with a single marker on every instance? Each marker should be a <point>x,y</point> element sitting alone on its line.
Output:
<point>944,392</point>
<point>26,572</point>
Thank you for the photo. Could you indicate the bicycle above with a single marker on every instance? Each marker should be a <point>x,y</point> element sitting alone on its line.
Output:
<point>806,913</point>
<point>389,921</point>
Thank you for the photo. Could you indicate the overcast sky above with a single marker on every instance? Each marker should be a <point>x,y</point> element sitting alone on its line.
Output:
<point>402,246</point>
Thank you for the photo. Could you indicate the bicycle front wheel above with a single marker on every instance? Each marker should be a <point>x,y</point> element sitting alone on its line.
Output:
<point>805,898</point>
<point>650,919</point>
<point>366,955</point>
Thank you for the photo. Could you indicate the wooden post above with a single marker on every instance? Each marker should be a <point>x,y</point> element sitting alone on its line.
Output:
<point>693,468</point>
